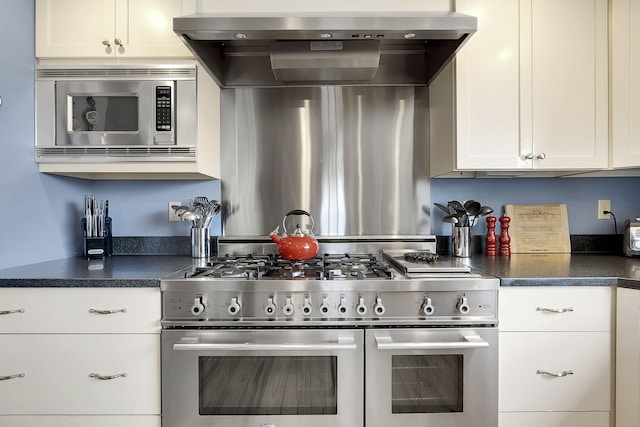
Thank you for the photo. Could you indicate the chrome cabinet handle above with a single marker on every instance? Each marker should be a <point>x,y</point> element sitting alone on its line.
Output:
<point>10,377</point>
<point>528,156</point>
<point>118,42</point>
<point>96,311</point>
<point>106,42</point>
<point>107,377</point>
<point>541,156</point>
<point>20,310</point>
<point>555,310</point>
<point>553,374</point>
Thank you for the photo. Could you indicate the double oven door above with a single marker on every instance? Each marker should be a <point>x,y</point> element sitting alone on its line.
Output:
<point>330,377</point>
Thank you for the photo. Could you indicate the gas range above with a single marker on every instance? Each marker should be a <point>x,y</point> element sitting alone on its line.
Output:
<point>380,282</point>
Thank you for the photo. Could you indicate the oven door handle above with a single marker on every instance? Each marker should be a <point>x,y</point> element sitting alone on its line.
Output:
<point>193,343</point>
<point>469,341</point>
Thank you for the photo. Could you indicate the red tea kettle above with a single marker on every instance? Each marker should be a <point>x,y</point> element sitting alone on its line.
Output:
<point>299,245</point>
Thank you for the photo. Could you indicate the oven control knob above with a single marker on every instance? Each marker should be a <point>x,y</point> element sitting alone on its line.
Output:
<point>378,308</point>
<point>270,308</point>
<point>342,308</point>
<point>198,306</point>
<point>462,306</point>
<point>361,308</point>
<point>324,308</point>
<point>427,307</point>
<point>306,307</point>
<point>288,307</point>
<point>234,307</point>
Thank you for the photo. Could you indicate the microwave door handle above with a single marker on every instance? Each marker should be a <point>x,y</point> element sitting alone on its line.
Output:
<point>191,343</point>
<point>470,341</point>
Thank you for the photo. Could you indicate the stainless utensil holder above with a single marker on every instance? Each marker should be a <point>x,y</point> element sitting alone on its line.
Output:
<point>461,242</point>
<point>200,242</point>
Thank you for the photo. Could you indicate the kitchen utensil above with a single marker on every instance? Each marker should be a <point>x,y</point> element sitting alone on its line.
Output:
<point>453,219</point>
<point>444,208</point>
<point>298,246</point>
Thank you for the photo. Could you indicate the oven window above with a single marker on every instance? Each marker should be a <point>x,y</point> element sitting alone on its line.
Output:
<point>104,113</point>
<point>426,383</point>
<point>268,385</point>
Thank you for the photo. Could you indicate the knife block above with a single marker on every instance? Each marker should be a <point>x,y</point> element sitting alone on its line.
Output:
<point>97,247</point>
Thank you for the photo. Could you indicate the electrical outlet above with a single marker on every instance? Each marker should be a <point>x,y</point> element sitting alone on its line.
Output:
<point>604,205</point>
<point>172,211</point>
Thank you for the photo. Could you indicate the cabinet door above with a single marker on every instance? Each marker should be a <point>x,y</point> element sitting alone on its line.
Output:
<point>487,93</point>
<point>74,28</point>
<point>145,27</point>
<point>625,95</point>
<point>564,82</point>
<point>553,419</point>
<point>80,421</point>
<point>628,358</point>
<point>55,374</point>
<point>529,361</point>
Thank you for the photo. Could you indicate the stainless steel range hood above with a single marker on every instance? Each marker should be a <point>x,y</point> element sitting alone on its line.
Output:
<point>330,49</point>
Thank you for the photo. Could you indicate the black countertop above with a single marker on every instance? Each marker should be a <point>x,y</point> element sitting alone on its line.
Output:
<point>559,269</point>
<point>147,270</point>
<point>114,271</point>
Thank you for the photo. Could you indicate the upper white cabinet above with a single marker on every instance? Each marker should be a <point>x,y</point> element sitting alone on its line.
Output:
<point>625,87</point>
<point>528,91</point>
<point>110,28</point>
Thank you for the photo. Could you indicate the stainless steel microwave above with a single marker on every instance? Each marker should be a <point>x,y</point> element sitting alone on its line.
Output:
<point>114,114</point>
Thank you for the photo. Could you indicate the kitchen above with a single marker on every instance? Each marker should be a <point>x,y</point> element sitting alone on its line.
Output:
<point>59,198</point>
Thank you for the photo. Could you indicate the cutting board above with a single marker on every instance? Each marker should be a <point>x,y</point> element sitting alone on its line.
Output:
<point>538,228</point>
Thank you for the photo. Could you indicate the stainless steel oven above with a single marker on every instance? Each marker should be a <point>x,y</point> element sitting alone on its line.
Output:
<point>358,339</point>
<point>252,377</point>
<point>431,377</point>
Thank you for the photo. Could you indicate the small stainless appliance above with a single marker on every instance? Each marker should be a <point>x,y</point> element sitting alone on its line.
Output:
<point>632,237</point>
<point>374,331</point>
<point>101,114</point>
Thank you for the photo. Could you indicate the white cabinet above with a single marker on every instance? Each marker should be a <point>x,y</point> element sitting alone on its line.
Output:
<point>527,92</point>
<point>625,87</point>
<point>110,28</point>
<point>628,358</point>
<point>80,356</point>
<point>555,356</point>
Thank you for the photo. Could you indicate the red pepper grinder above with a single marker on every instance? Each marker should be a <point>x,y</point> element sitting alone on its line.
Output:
<point>505,240</point>
<point>490,238</point>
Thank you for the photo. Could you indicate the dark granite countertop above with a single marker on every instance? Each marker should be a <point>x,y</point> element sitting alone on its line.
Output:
<point>114,271</point>
<point>559,269</point>
<point>147,270</point>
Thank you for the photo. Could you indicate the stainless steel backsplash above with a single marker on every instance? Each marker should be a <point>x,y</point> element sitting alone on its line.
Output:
<point>356,158</point>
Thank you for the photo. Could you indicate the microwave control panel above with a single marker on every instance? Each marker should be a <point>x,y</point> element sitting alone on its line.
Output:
<point>163,108</point>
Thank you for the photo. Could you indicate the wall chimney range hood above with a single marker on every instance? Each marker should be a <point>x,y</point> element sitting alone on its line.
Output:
<point>378,49</point>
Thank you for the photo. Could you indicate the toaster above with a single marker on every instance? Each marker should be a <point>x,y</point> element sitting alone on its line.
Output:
<point>632,237</point>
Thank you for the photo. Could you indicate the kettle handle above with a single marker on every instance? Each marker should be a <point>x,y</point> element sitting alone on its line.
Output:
<point>298,212</point>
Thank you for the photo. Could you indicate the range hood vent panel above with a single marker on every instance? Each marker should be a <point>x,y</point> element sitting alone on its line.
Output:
<point>332,49</point>
<point>325,61</point>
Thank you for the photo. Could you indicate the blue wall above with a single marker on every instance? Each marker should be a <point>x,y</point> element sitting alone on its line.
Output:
<point>40,214</point>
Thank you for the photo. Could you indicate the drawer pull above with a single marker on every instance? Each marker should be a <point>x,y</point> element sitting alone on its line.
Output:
<point>555,310</point>
<point>553,374</point>
<point>10,377</point>
<point>108,377</point>
<point>20,310</point>
<point>96,311</point>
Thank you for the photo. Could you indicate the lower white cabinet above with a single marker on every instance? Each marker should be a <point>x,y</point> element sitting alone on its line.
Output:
<point>628,358</point>
<point>79,421</point>
<point>555,356</point>
<point>80,357</point>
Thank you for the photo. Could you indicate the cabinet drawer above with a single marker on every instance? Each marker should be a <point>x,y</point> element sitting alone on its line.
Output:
<point>79,310</point>
<point>80,421</point>
<point>555,308</point>
<point>57,372</point>
<point>553,419</point>
<point>586,354</point>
